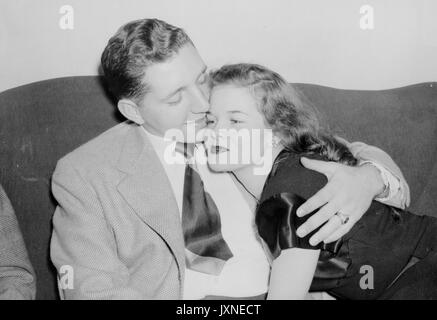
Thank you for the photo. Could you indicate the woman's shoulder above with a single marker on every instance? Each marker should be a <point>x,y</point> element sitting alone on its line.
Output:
<point>288,175</point>
<point>287,187</point>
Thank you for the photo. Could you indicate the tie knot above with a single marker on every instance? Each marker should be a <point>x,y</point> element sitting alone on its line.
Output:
<point>186,149</point>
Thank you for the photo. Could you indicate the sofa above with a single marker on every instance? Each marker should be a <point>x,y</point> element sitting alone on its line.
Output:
<point>41,122</point>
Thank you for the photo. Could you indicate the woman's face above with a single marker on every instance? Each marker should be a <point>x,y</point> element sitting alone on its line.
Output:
<point>238,135</point>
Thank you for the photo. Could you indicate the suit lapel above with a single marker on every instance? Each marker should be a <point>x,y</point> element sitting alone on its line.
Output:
<point>147,190</point>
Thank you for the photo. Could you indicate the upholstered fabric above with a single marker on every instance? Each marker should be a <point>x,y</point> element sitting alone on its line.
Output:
<point>17,278</point>
<point>41,122</point>
<point>402,122</point>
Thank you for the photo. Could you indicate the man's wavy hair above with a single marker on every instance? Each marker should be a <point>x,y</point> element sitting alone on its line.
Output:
<point>285,110</point>
<point>135,46</point>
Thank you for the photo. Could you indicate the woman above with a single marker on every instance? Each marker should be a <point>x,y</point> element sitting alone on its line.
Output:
<point>388,254</point>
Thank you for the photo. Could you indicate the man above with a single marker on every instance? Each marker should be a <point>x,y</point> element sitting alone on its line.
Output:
<point>126,218</point>
<point>17,278</point>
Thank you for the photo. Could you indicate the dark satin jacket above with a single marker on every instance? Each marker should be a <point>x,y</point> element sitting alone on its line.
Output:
<point>380,239</point>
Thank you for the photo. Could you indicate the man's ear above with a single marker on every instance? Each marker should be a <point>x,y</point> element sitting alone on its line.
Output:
<point>129,109</point>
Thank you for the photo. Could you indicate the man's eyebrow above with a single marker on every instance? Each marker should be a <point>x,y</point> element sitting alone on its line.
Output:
<point>173,93</point>
<point>181,88</point>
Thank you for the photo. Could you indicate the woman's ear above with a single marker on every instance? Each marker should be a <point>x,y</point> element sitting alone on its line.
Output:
<point>129,110</point>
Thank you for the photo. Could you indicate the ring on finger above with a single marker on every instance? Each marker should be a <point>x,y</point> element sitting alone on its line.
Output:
<point>344,218</point>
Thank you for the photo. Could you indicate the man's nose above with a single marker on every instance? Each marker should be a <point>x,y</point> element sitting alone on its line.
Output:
<point>200,100</point>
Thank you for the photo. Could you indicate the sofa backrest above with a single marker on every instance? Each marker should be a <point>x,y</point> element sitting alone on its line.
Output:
<point>41,122</point>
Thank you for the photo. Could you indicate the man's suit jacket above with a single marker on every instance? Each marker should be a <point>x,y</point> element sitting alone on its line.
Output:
<point>17,277</point>
<point>117,223</point>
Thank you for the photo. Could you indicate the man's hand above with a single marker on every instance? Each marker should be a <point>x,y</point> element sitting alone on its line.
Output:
<point>350,190</point>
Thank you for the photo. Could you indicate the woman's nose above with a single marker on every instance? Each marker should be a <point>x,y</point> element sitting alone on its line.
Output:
<point>217,125</point>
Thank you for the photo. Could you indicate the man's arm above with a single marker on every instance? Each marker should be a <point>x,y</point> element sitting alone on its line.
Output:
<point>398,191</point>
<point>349,191</point>
<point>17,278</point>
<point>82,242</point>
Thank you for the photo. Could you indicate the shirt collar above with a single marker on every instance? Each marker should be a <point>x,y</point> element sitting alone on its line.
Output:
<point>160,144</point>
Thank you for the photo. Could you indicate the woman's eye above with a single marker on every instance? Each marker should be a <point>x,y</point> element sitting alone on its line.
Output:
<point>209,122</point>
<point>233,121</point>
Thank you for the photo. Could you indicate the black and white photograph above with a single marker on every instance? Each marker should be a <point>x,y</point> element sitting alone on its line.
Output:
<point>232,150</point>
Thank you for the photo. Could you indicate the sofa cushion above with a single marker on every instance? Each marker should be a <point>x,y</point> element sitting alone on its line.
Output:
<point>401,121</point>
<point>40,123</point>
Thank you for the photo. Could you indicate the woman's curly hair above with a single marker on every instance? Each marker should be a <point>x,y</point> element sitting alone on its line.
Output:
<point>285,111</point>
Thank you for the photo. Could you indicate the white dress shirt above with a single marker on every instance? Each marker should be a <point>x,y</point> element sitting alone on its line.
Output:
<point>247,272</point>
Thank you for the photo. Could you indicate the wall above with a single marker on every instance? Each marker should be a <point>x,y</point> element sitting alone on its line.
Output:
<point>307,41</point>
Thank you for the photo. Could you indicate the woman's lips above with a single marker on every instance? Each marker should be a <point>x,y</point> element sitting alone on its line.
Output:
<point>218,149</point>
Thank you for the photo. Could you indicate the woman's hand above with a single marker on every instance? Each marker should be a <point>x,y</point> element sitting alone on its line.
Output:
<point>349,191</point>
